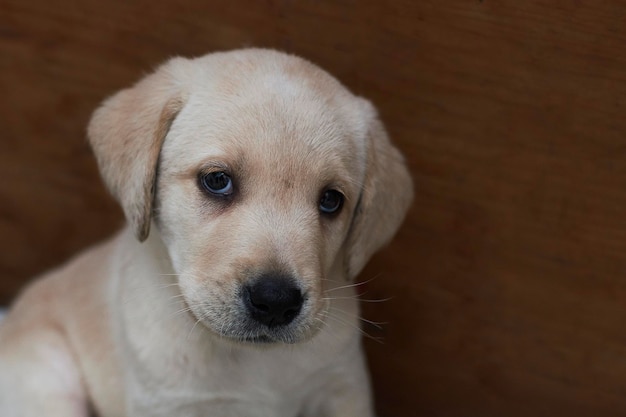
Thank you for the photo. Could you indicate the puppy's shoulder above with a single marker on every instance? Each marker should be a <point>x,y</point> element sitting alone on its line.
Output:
<point>52,299</point>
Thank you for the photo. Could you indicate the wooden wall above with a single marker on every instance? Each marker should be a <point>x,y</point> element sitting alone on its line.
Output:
<point>509,276</point>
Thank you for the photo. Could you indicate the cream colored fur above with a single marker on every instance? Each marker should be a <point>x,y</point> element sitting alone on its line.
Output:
<point>150,323</point>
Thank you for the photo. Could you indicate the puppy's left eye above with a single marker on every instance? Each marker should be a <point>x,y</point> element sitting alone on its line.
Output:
<point>331,202</point>
<point>217,183</point>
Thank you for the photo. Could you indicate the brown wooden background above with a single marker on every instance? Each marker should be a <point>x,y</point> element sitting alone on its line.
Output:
<point>508,278</point>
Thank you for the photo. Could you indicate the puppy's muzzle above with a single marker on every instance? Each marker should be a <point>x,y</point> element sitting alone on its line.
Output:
<point>273,300</point>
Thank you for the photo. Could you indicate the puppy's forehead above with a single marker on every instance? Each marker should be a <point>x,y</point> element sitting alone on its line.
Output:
<point>233,73</point>
<point>268,110</point>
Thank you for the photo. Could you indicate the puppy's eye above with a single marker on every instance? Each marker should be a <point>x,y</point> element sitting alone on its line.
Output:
<point>331,202</point>
<point>217,183</point>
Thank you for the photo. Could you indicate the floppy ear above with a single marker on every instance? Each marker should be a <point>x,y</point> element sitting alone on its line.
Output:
<point>126,134</point>
<point>385,197</point>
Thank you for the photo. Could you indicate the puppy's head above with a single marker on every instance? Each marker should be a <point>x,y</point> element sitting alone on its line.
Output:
<point>268,181</point>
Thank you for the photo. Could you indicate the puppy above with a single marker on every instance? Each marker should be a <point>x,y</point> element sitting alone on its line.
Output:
<point>255,187</point>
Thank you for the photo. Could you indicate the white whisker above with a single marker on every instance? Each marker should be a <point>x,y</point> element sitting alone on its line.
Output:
<point>194,326</point>
<point>352,325</point>
<point>354,285</point>
<point>377,324</point>
<point>358,297</point>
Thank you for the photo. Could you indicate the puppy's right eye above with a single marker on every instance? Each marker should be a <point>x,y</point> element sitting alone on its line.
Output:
<point>217,183</point>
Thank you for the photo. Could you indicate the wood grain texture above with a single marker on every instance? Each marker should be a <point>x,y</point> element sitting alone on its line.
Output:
<point>509,276</point>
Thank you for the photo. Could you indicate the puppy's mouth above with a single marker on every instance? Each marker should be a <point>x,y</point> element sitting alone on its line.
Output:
<point>262,339</point>
<point>255,335</point>
<point>245,330</point>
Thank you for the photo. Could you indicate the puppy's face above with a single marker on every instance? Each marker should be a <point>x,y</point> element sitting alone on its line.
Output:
<point>265,177</point>
<point>256,191</point>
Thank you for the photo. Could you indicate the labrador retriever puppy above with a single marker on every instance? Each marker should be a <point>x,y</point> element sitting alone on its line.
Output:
<point>255,187</point>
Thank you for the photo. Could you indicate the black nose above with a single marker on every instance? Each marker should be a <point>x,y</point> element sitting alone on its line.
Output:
<point>273,300</point>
